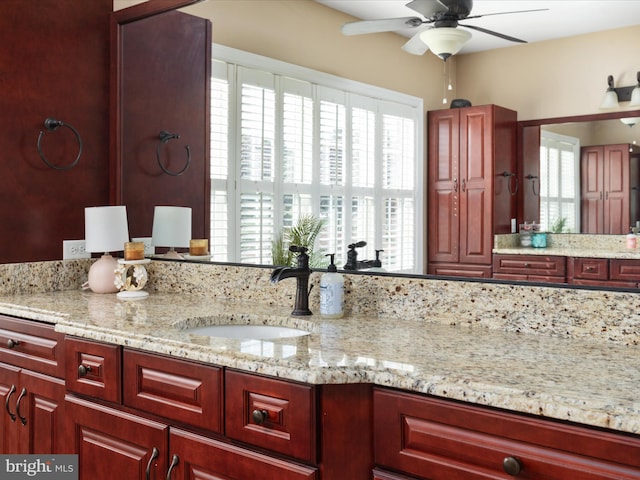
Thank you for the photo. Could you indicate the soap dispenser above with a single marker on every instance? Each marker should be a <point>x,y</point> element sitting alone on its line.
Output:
<point>332,292</point>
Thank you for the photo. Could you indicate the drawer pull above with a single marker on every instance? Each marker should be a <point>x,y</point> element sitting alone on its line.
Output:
<point>511,466</point>
<point>154,454</point>
<point>23,394</point>
<point>174,463</point>
<point>83,370</point>
<point>260,416</point>
<point>526,265</point>
<point>11,343</point>
<point>12,390</point>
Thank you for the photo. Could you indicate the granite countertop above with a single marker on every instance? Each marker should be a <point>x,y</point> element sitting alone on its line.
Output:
<point>581,380</point>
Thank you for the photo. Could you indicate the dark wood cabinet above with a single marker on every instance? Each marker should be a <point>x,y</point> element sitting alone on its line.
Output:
<point>471,187</point>
<point>432,439</point>
<point>112,443</point>
<point>609,180</point>
<point>161,77</point>
<point>533,268</point>
<point>598,272</point>
<point>31,388</point>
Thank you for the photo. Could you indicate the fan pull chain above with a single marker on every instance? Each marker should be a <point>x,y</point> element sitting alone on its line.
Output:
<point>447,82</point>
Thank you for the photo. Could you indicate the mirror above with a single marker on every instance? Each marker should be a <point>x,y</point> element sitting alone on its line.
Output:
<point>535,173</point>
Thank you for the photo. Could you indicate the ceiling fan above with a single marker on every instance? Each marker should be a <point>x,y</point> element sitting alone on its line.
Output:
<point>441,34</point>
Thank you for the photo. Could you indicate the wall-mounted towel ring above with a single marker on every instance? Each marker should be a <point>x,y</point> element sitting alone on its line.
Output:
<point>51,124</point>
<point>508,174</point>
<point>533,184</point>
<point>164,138</point>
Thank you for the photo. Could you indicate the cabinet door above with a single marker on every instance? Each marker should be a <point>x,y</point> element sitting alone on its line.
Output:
<point>112,444</point>
<point>592,187</point>
<point>195,457</point>
<point>476,167</point>
<point>40,410</point>
<point>8,418</point>
<point>616,187</point>
<point>443,185</point>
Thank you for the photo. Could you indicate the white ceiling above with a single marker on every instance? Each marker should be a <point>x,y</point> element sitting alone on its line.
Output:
<point>564,18</point>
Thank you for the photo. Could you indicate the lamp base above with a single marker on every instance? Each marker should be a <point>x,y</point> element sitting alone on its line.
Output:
<point>102,275</point>
<point>173,254</point>
<point>132,295</point>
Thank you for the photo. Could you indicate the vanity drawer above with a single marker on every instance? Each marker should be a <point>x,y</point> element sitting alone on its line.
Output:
<point>437,439</point>
<point>274,414</point>
<point>180,390</point>
<point>33,345</point>
<point>539,265</point>
<point>587,268</point>
<point>623,269</point>
<point>93,369</point>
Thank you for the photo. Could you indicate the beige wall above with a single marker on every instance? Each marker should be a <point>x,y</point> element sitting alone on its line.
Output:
<point>539,80</point>
<point>555,78</point>
<point>306,33</point>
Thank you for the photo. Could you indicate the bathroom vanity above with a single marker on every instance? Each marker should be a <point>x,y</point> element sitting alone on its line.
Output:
<point>445,390</point>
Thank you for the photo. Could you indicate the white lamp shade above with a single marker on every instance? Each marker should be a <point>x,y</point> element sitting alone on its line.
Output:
<point>635,97</point>
<point>105,228</point>
<point>171,227</point>
<point>445,41</point>
<point>610,100</point>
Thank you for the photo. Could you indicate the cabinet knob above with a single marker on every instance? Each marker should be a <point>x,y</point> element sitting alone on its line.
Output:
<point>259,416</point>
<point>12,343</point>
<point>83,370</point>
<point>511,465</point>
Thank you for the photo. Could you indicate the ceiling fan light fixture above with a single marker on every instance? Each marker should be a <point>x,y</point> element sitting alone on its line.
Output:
<point>445,41</point>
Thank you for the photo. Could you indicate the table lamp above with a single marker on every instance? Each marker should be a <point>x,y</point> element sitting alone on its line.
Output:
<point>171,228</point>
<point>106,230</point>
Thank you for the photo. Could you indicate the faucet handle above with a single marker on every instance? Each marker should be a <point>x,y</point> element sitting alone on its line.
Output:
<point>298,249</point>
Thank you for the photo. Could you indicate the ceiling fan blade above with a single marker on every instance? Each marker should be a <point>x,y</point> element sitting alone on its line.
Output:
<point>427,8</point>
<point>495,34</point>
<point>384,25</point>
<point>415,45</point>
<point>506,13</point>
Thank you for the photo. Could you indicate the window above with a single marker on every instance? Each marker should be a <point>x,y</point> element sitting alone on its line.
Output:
<point>288,141</point>
<point>559,181</point>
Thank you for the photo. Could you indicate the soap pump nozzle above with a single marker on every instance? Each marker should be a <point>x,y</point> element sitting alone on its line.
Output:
<point>332,266</point>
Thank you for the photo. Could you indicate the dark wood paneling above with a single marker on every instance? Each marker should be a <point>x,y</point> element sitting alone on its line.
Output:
<point>54,63</point>
<point>165,65</point>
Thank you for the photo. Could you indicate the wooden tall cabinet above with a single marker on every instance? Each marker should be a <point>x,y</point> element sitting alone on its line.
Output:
<point>608,176</point>
<point>471,187</point>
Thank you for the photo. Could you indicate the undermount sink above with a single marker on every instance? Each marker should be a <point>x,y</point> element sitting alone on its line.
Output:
<point>254,332</point>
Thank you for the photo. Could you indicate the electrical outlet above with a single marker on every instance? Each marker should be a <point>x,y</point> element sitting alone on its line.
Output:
<point>149,249</point>
<point>74,249</point>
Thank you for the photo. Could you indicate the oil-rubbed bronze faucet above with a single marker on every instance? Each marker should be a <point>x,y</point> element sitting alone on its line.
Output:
<point>301,273</point>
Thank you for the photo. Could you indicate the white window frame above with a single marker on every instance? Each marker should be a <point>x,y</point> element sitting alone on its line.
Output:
<point>322,80</point>
<point>557,140</point>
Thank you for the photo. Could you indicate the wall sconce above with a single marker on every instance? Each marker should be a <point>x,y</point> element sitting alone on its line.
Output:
<point>171,228</point>
<point>630,121</point>
<point>614,95</point>
<point>106,230</point>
